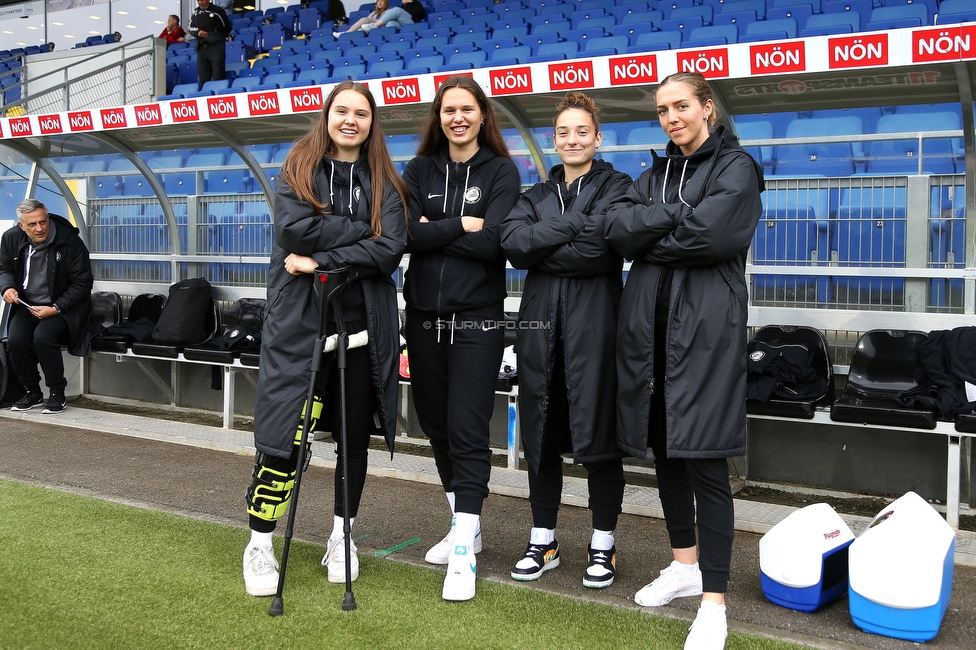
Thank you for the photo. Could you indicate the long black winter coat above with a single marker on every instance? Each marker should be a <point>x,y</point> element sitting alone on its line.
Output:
<point>573,284</point>
<point>69,277</point>
<point>702,232</point>
<point>292,319</point>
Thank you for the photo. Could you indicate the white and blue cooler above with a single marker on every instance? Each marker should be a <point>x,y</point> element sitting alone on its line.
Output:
<point>803,559</point>
<point>901,571</point>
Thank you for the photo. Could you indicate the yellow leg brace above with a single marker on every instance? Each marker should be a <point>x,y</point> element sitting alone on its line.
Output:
<point>273,478</point>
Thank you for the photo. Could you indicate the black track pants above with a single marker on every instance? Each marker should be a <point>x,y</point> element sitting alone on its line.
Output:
<point>32,341</point>
<point>453,372</point>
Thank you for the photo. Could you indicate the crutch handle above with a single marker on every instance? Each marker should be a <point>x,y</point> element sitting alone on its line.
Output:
<point>357,340</point>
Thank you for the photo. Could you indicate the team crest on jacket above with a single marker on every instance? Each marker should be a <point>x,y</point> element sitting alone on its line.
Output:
<point>57,256</point>
<point>472,195</point>
<point>757,355</point>
<point>357,192</point>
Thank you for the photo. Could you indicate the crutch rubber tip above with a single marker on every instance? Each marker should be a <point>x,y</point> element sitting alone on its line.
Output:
<point>348,602</point>
<point>277,607</point>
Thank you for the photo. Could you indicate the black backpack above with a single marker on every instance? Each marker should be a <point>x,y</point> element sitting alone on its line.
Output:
<point>185,319</point>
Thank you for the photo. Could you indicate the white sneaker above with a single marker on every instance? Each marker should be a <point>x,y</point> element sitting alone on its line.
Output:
<point>710,628</point>
<point>335,560</point>
<point>260,571</point>
<point>462,569</point>
<point>337,34</point>
<point>440,552</point>
<point>674,582</point>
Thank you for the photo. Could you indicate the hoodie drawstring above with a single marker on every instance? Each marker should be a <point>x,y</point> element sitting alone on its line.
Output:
<point>681,181</point>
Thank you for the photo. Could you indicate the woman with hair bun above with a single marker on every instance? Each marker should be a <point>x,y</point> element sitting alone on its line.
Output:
<point>567,339</point>
<point>687,223</point>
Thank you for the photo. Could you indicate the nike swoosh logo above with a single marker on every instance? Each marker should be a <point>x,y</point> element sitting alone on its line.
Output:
<point>433,196</point>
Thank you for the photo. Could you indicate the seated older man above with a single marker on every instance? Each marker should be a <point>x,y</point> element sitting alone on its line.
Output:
<point>46,279</point>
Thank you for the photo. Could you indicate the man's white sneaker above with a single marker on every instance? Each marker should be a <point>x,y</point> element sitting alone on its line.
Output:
<point>462,569</point>
<point>440,552</point>
<point>335,560</point>
<point>710,628</point>
<point>674,582</point>
<point>260,571</point>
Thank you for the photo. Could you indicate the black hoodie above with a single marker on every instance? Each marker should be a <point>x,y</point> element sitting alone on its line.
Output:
<point>451,270</point>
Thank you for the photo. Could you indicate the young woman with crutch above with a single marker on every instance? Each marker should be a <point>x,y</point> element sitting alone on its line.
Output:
<point>462,183</point>
<point>687,223</point>
<point>338,203</point>
<point>567,339</point>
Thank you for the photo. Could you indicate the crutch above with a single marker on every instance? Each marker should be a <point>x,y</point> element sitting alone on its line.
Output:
<point>329,285</point>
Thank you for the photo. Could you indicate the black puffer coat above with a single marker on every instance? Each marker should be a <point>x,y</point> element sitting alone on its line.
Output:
<point>291,322</point>
<point>702,233</point>
<point>69,277</point>
<point>573,284</point>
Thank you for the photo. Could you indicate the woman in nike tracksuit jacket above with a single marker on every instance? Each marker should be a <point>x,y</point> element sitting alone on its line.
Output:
<point>462,184</point>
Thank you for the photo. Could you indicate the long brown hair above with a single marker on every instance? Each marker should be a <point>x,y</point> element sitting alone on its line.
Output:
<point>490,134</point>
<point>298,169</point>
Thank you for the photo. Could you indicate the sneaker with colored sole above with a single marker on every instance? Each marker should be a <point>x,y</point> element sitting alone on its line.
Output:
<point>601,568</point>
<point>674,582</point>
<point>335,560</point>
<point>538,559</point>
<point>462,570</point>
<point>440,552</point>
<point>260,571</point>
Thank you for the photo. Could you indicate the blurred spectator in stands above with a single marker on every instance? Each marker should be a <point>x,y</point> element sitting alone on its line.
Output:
<point>210,26</point>
<point>173,33</point>
<point>415,9</point>
<point>384,15</point>
<point>226,5</point>
<point>46,278</point>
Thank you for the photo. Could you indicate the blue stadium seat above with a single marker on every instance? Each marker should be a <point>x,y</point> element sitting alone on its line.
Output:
<point>798,12</point>
<point>758,130</point>
<point>518,55</point>
<point>557,26</point>
<point>633,163</point>
<point>564,49</point>
<point>454,48</point>
<point>759,6</point>
<point>535,40</point>
<point>939,156</point>
<point>392,68</point>
<point>182,90</point>
<point>670,40</point>
<point>471,37</point>
<point>728,33</point>
<point>790,234</point>
<point>394,47</point>
<point>476,59</point>
<point>229,181</point>
<point>883,18</point>
<point>703,11</point>
<point>498,43</point>
<point>424,64</point>
<point>683,25</point>
<point>818,158</point>
<point>772,28</point>
<point>616,44</point>
<point>621,10</point>
<point>310,77</point>
<point>956,11</point>
<point>871,226</point>
<point>606,23</point>
<point>556,9</point>
<point>846,22</point>
<point>518,33</point>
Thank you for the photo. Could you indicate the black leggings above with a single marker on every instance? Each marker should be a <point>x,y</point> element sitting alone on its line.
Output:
<point>685,482</point>
<point>604,478</point>
<point>359,427</point>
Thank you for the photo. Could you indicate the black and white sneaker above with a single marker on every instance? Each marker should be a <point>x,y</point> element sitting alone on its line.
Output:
<point>601,568</point>
<point>28,401</point>
<point>537,560</point>
<point>55,403</point>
